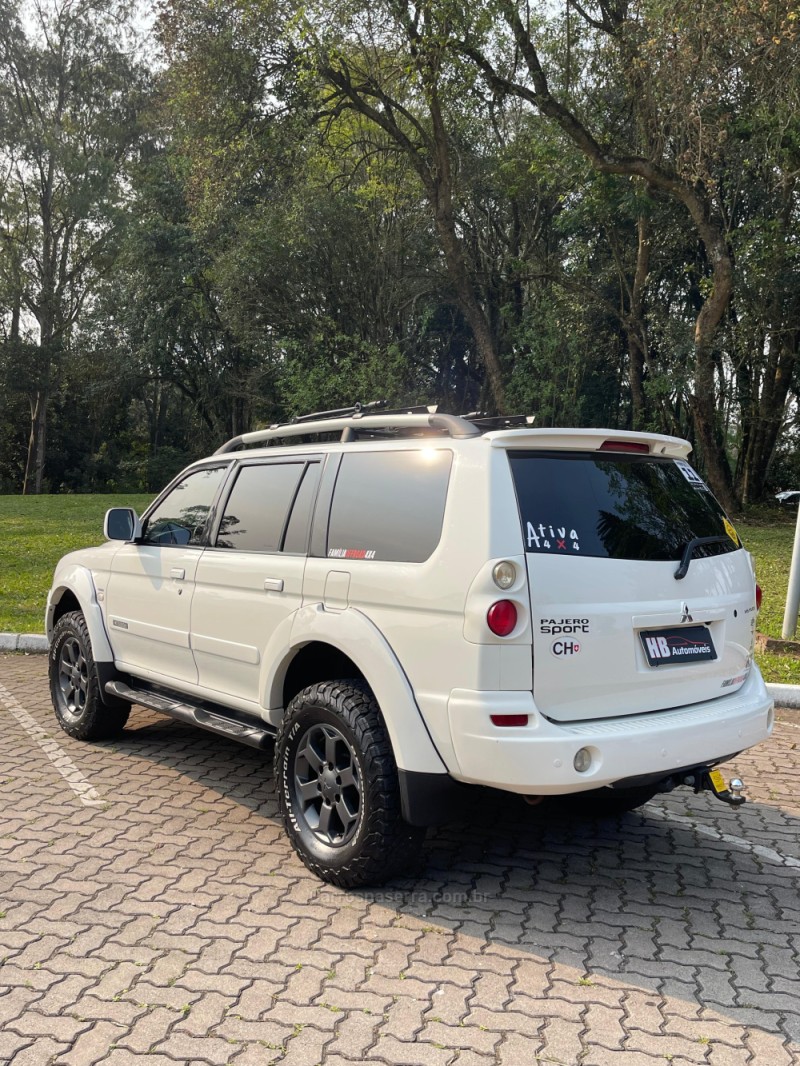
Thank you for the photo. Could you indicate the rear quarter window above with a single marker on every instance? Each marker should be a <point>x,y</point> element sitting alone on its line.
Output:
<point>389,505</point>
<point>615,506</point>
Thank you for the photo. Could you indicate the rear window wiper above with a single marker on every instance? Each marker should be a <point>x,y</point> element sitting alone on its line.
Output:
<point>688,552</point>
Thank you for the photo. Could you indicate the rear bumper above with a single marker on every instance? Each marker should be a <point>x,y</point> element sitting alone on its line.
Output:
<point>537,759</point>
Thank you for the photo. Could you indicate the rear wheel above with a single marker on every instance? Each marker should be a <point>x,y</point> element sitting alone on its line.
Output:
<point>75,686</point>
<point>338,787</point>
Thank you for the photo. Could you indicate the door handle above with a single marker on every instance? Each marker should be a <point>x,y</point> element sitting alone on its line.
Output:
<point>177,573</point>
<point>273,584</point>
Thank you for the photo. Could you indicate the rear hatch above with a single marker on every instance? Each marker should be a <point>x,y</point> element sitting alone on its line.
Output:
<point>615,631</point>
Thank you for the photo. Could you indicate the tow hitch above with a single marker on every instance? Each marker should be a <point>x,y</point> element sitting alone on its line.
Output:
<point>703,780</point>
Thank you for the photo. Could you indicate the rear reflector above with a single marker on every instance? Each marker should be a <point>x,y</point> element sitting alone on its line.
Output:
<point>502,617</point>
<point>509,719</point>
<point>624,446</point>
<point>759,597</point>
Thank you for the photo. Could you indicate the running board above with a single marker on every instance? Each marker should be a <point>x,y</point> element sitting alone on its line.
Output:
<point>255,735</point>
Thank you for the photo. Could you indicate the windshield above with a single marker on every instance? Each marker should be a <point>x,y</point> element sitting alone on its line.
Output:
<point>615,506</point>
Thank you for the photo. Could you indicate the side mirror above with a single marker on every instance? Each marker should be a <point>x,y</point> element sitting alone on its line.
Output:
<point>122,523</point>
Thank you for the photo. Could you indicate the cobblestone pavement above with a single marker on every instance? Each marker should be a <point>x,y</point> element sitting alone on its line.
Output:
<point>150,906</point>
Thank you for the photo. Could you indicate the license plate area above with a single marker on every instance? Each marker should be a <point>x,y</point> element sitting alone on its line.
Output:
<point>681,645</point>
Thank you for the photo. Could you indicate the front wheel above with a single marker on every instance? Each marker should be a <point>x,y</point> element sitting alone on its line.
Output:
<point>338,789</point>
<point>75,686</point>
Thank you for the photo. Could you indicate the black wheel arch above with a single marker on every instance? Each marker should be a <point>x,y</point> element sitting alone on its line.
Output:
<point>314,663</point>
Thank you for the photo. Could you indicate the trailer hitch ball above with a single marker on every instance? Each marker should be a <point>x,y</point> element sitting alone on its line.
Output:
<point>736,787</point>
<point>705,780</point>
<point>730,793</point>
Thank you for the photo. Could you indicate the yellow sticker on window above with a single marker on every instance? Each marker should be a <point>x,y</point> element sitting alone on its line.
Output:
<point>731,532</point>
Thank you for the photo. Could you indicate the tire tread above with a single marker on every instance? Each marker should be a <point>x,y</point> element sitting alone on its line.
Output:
<point>390,845</point>
<point>102,719</point>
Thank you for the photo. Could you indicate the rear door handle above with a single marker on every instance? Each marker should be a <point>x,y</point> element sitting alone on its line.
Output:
<point>273,584</point>
<point>177,573</point>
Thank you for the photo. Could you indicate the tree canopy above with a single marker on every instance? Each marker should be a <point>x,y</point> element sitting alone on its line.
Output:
<point>587,211</point>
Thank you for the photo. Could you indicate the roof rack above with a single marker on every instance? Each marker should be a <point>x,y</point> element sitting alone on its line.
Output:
<point>351,423</point>
<point>487,422</point>
<point>339,412</point>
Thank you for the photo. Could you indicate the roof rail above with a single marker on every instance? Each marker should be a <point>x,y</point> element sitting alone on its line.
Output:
<point>452,425</point>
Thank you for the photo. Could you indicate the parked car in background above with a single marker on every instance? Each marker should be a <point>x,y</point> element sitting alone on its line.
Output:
<point>788,498</point>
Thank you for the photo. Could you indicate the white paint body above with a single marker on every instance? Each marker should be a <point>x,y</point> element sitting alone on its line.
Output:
<point>225,626</point>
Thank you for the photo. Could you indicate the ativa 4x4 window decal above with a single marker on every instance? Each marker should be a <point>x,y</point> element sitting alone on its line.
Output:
<point>548,538</point>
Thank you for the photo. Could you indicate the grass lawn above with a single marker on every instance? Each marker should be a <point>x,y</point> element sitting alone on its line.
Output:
<point>35,531</point>
<point>769,536</point>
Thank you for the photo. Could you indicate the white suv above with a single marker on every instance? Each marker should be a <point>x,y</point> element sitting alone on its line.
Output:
<point>421,603</point>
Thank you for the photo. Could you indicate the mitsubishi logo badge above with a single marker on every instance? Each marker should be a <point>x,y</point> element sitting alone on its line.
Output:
<point>685,615</point>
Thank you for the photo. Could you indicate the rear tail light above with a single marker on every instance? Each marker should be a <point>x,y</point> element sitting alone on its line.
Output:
<point>758,597</point>
<point>502,618</point>
<point>624,446</point>
<point>509,719</point>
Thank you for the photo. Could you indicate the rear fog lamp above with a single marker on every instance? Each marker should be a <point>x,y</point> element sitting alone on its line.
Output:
<point>509,719</point>
<point>582,760</point>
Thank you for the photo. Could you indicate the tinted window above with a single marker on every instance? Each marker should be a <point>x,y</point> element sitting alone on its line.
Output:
<point>389,505</point>
<point>258,506</point>
<point>296,539</point>
<point>182,516</point>
<point>623,507</point>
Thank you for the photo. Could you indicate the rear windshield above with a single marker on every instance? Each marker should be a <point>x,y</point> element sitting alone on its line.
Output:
<point>618,507</point>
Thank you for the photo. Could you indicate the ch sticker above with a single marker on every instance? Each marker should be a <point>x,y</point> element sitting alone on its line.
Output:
<point>565,649</point>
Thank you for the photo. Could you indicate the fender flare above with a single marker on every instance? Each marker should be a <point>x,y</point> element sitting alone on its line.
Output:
<point>78,580</point>
<point>352,633</point>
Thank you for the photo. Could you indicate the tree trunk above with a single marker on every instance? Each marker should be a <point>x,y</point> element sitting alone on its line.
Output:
<point>470,307</point>
<point>704,411</point>
<point>34,467</point>
<point>766,416</point>
<point>771,410</point>
<point>635,328</point>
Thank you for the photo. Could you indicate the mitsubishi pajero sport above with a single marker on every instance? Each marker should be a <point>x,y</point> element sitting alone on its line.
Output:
<point>424,602</point>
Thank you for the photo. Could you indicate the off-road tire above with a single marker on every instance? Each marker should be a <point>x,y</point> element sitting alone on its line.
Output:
<point>378,845</point>
<point>608,802</point>
<point>75,686</point>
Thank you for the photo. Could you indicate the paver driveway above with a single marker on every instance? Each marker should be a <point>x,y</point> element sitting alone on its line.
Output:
<point>151,906</point>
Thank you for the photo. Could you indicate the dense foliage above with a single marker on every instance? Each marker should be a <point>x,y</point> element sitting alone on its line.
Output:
<point>585,211</point>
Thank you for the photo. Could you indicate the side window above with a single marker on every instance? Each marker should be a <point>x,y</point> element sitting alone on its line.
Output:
<point>389,505</point>
<point>182,516</point>
<point>258,506</point>
<point>296,539</point>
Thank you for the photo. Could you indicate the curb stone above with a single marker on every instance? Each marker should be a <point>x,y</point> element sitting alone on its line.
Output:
<point>784,695</point>
<point>30,642</point>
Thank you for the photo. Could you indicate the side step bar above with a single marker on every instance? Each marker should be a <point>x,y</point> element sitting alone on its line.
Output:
<point>254,734</point>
